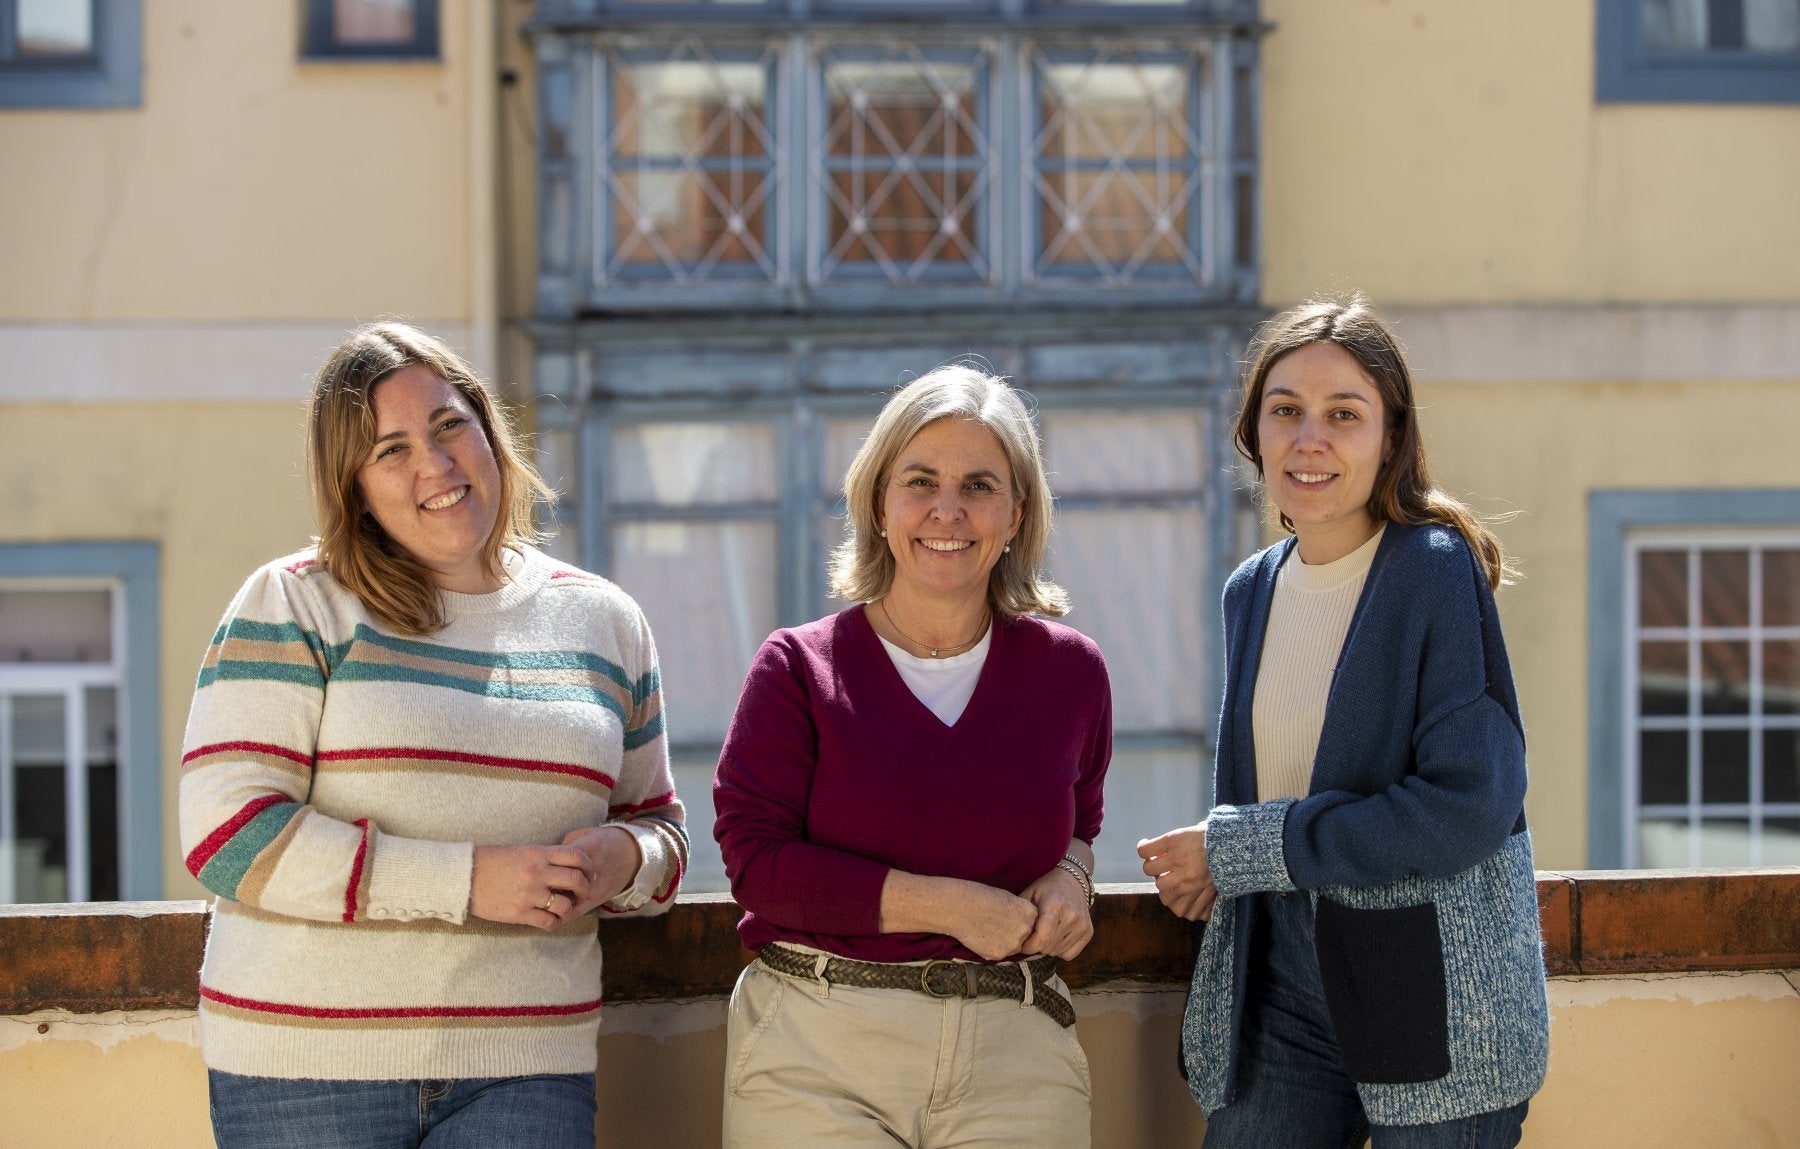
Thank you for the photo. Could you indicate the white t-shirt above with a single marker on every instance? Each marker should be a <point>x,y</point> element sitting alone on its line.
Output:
<point>944,685</point>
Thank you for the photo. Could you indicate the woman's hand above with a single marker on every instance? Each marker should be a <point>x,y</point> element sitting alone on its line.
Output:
<point>991,922</point>
<point>1064,925</point>
<point>614,857</point>
<point>1177,861</point>
<point>529,885</point>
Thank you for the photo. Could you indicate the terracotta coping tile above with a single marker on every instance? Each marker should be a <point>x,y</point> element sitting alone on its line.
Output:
<point>103,956</point>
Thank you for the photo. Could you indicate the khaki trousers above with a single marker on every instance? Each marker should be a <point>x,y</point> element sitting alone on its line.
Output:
<point>847,1067</point>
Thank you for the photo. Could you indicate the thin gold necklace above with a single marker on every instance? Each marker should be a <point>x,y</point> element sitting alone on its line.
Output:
<point>948,650</point>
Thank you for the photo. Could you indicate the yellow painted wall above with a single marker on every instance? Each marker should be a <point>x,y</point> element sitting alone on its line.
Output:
<point>1432,151</point>
<point>220,487</point>
<point>1639,1062</point>
<point>252,185</point>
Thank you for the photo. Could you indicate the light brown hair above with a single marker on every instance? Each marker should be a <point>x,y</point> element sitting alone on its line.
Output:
<point>340,421</point>
<point>862,567</point>
<point>1403,491</point>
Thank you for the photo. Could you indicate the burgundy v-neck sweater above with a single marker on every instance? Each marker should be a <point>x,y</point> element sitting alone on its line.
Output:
<point>833,772</point>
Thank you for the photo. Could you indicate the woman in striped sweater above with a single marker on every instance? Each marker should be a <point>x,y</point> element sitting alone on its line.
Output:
<point>419,754</point>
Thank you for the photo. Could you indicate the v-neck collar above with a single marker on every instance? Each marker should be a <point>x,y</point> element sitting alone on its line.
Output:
<point>896,684</point>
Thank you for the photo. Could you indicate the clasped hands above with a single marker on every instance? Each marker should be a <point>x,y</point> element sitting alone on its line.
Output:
<point>544,886</point>
<point>1050,916</point>
<point>1177,863</point>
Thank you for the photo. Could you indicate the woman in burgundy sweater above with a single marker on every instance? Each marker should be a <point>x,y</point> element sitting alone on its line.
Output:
<point>906,803</point>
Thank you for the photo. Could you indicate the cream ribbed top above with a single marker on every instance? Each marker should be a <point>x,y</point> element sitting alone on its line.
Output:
<point>1308,619</point>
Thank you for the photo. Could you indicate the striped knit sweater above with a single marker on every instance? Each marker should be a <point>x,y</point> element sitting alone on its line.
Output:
<point>335,781</point>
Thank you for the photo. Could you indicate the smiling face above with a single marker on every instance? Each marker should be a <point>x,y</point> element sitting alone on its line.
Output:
<point>1322,439</point>
<point>430,478</point>
<point>949,509</point>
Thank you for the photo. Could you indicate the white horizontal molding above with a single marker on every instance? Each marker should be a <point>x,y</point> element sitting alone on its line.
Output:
<point>184,362</point>
<point>1601,343</point>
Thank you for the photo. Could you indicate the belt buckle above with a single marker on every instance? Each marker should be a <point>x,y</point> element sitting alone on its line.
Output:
<point>925,978</point>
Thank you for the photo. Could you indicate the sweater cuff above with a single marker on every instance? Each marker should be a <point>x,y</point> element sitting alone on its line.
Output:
<point>413,878</point>
<point>652,873</point>
<point>1244,848</point>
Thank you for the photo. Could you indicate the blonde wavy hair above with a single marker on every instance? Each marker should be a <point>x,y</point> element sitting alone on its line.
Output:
<point>862,566</point>
<point>340,421</point>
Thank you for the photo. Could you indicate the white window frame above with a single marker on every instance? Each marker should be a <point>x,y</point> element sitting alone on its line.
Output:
<point>1696,811</point>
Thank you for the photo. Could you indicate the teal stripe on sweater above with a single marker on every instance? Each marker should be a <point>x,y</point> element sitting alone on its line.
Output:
<point>507,660</point>
<point>227,868</point>
<point>359,671</point>
<point>250,671</point>
<point>645,734</point>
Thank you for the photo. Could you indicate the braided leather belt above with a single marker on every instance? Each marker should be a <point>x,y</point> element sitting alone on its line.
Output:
<point>940,978</point>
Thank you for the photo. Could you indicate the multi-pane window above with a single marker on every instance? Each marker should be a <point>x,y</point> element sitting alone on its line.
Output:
<point>1714,753</point>
<point>1727,50</point>
<point>378,29</point>
<point>60,677</point>
<point>858,165</point>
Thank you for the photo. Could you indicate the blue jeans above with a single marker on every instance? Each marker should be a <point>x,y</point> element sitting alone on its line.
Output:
<point>552,1111</point>
<point>1292,1091</point>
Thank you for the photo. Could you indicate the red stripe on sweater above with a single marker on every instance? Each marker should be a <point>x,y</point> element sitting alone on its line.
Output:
<point>582,576</point>
<point>215,841</point>
<point>296,568</point>
<point>639,807</point>
<point>248,748</point>
<point>378,753</point>
<point>356,870</point>
<point>375,1012</point>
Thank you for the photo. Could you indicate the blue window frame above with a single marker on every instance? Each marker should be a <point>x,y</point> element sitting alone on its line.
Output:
<point>1698,51</point>
<point>1693,677</point>
<point>370,30</point>
<point>58,690</point>
<point>71,53</point>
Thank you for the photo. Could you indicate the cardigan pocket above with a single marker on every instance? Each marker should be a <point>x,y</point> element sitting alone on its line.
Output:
<point>1383,974</point>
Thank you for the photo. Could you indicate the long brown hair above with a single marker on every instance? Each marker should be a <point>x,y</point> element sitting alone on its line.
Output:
<point>1404,492</point>
<point>340,420</point>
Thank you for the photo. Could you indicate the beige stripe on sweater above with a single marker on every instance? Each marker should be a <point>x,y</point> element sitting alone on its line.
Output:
<point>1308,619</point>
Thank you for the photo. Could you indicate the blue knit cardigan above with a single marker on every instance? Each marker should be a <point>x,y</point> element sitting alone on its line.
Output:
<point>1411,840</point>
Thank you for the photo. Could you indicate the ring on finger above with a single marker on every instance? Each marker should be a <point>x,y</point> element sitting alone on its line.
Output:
<point>548,902</point>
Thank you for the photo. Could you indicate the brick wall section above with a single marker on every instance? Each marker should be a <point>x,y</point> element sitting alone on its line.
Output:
<point>146,955</point>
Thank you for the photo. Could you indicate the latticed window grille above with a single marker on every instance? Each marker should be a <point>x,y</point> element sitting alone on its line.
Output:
<point>1120,163</point>
<point>690,164</point>
<point>904,163</point>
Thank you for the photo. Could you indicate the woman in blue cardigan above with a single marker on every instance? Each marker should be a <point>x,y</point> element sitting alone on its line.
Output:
<point>1370,963</point>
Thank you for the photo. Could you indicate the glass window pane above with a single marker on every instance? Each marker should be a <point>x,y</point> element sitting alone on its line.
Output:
<point>1116,163</point>
<point>1152,453</point>
<point>1729,26</point>
<point>843,438</point>
<point>1781,842</point>
<point>1673,25</point>
<point>373,21</point>
<point>556,462</point>
<point>1781,765</point>
<point>1781,676</point>
<point>1662,588</point>
<point>101,706</point>
<point>39,850</point>
<point>1662,844</point>
<point>1148,615</point>
<point>709,590</point>
<point>1725,842</point>
<point>1662,768</point>
<point>705,873</point>
<point>54,27</point>
<point>1148,793</point>
<point>1662,678</point>
<point>687,165</point>
<point>1724,677</point>
<point>906,161</point>
<point>55,625</point>
<point>1781,588</point>
<point>1772,25</point>
<point>1724,588</point>
<point>1725,766</point>
<point>694,464</point>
